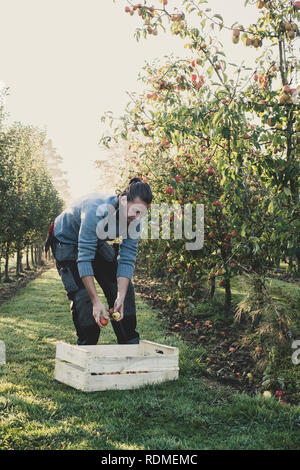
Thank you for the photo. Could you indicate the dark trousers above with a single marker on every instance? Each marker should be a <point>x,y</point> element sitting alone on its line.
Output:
<point>105,273</point>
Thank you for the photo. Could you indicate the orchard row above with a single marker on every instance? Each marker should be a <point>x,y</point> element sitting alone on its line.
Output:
<point>209,131</point>
<point>28,198</point>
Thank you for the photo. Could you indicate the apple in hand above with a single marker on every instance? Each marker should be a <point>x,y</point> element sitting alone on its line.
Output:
<point>103,321</point>
<point>116,316</point>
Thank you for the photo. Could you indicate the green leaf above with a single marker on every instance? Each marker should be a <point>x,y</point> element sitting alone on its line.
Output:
<point>271,207</point>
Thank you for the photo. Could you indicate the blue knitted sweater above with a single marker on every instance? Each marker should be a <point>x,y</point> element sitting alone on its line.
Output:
<point>77,225</point>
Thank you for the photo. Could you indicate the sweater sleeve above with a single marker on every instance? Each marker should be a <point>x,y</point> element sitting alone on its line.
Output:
<point>128,252</point>
<point>87,240</point>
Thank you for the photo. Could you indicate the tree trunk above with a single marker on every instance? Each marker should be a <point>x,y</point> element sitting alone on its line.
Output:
<point>6,277</point>
<point>228,297</point>
<point>18,263</point>
<point>32,256</point>
<point>212,288</point>
<point>27,259</point>
<point>21,262</point>
<point>40,254</point>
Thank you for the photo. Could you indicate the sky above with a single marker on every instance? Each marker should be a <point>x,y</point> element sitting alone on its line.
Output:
<point>66,62</point>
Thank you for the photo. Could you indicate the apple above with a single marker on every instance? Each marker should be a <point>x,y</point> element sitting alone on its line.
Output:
<point>261,4</point>
<point>256,42</point>
<point>284,98</point>
<point>267,394</point>
<point>116,316</point>
<point>297,5</point>
<point>287,26</point>
<point>169,190</point>
<point>104,321</point>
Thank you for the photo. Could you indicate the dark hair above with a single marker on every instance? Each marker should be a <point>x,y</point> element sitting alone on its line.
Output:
<point>137,188</point>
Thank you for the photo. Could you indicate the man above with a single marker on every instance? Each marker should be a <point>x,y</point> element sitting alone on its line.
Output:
<point>82,255</point>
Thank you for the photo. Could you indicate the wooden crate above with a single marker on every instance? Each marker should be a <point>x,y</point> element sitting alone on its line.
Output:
<point>121,367</point>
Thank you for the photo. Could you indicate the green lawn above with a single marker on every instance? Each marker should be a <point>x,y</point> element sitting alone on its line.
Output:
<point>36,412</point>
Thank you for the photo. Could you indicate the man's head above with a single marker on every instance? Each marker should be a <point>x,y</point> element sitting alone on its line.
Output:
<point>136,199</point>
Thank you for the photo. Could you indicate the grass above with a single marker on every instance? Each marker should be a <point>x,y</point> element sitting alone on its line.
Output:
<point>36,412</point>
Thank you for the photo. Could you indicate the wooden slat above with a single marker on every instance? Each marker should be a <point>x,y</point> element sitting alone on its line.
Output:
<point>2,353</point>
<point>131,363</point>
<point>128,381</point>
<point>154,348</point>
<point>72,375</point>
<point>115,350</point>
<point>71,353</point>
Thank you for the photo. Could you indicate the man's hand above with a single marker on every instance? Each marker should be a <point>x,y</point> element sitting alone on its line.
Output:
<point>98,307</point>
<point>119,307</point>
<point>123,283</point>
<point>99,312</point>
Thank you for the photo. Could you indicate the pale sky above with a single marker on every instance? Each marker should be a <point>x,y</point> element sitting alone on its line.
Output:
<point>66,62</point>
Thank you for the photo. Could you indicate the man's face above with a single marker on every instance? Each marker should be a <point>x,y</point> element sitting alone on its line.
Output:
<point>135,209</point>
